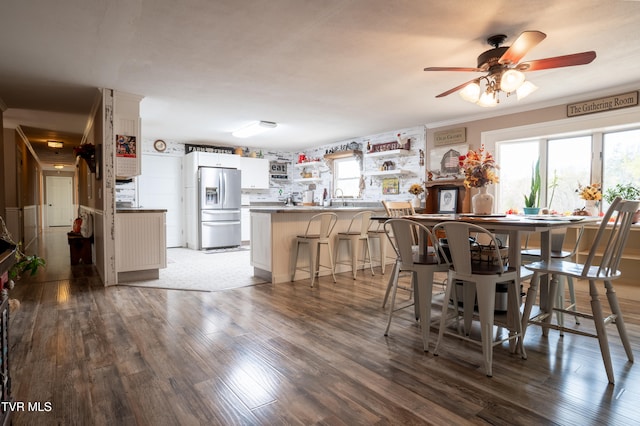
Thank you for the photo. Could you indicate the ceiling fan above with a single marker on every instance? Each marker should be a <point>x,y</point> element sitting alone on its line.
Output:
<point>504,71</point>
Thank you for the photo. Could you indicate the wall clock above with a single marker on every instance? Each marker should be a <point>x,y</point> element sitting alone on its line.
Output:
<point>160,145</point>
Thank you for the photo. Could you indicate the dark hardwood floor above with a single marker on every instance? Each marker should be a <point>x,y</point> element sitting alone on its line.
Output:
<point>285,354</point>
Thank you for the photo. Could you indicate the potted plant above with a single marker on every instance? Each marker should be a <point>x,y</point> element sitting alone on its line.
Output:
<point>626,191</point>
<point>416,189</point>
<point>23,262</point>
<point>532,201</point>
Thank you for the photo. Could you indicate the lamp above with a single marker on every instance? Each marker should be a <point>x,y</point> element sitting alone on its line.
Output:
<point>58,166</point>
<point>471,92</point>
<point>508,80</point>
<point>511,79</point>
<point>254,129</point>
<point>55,144</point>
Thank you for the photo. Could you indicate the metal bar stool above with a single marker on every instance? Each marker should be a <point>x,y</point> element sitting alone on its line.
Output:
<point>356,234</point>
<point>318,233</point>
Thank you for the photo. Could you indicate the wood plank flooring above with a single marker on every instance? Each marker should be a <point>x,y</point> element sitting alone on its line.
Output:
<point>288,354</point>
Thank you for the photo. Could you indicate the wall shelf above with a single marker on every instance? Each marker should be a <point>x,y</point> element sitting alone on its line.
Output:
<point>343,154</point>
<point>399,172</point>
<point>314,164</point>
<point>307,180</point>
<point>392,153</point>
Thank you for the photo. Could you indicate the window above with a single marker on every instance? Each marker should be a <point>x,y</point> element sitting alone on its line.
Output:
<point>621,158</point>
<point>346,176</point>
<point>566,163</point>
<point>569,165</point>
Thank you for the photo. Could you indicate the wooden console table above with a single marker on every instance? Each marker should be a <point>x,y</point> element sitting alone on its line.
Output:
<point>434,187</point>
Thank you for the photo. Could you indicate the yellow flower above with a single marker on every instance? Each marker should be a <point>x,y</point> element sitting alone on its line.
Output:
<point>416,189</point>
<point>590,192</point>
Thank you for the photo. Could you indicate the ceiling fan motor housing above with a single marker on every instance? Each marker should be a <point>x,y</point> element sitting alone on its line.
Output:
<point>490,58</point>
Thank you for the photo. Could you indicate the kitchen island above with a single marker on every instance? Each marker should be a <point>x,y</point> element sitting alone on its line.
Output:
<point>141,249</point>
<point>273,233</point>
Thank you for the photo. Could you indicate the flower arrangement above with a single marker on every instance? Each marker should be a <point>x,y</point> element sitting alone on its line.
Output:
<point>479,168</point>
<point>416,189</point>
<point>85,151</point>
<point>590,192</point>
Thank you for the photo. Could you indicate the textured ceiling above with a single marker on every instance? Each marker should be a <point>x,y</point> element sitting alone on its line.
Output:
<point>326,71</point>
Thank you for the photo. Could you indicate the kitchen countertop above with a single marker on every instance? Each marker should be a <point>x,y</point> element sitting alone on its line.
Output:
<point>139,210</point>
<point>309,209</point>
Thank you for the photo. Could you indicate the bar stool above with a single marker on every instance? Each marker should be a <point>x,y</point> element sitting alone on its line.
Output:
<point>376,232</point>
<point>356,233</point>
<point>318,233</point>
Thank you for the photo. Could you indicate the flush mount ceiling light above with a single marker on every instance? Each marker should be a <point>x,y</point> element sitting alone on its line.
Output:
<point>254,129</point>
<point>505,72</point>
<point>55,144</point>
<point>58,166</point>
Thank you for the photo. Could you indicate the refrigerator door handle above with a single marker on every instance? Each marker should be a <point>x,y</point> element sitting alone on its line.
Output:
<point>223,186</point>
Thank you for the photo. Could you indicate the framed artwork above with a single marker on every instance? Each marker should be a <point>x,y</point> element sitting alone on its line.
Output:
<point>448,200</point>
<point>390,186</point>
<point>443,160</point>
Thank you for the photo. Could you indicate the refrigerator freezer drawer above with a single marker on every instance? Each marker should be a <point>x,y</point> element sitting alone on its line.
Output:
<point>219,234</point>
<point>217,215</point>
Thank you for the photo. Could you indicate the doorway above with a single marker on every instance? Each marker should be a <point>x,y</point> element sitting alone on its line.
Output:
<point>59,193</point>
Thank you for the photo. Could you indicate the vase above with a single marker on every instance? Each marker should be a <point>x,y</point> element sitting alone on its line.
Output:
<point>591,207</point>
<point>415,202</point>
<point>482,202</point>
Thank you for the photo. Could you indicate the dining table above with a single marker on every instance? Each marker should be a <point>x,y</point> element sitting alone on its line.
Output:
<point>515,226</point>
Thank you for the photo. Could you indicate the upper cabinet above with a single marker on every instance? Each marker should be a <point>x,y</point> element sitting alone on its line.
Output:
<point>255,173</point>
<point>126,126</point>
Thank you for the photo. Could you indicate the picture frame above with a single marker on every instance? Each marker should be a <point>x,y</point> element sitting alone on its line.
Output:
<point>390,186</point>
<point>448,200</point>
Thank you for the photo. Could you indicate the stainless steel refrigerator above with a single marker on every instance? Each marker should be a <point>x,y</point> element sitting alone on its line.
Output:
<point>219,205</point>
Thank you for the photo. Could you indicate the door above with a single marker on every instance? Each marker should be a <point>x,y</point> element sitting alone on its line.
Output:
<point>59,194</point>
<point>160,187</point>
<point>232,189</point>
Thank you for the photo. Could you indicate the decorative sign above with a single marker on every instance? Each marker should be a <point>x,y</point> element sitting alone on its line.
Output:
<point>125,146</point>
<point>390,146</point>
<point>451,136</point>
<point>603,104</point>
<point>208,148</point>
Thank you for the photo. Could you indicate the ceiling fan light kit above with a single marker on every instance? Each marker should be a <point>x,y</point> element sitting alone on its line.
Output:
<point>505,73</point>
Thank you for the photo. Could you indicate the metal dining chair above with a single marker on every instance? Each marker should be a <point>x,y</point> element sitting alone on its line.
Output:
<point>486,275</point>
<point>421,266</point>
<point>398,209</point>
<point>608,246</point>
<point>557,243</point>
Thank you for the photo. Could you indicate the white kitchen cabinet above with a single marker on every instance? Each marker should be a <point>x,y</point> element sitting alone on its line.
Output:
<point>126,126</point>
<point>261,242</point>
<point>245,223</point>
<point>141,248</point>
<point>255,173</point>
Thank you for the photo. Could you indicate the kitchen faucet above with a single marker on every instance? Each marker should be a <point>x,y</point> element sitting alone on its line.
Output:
<point>341,195</point>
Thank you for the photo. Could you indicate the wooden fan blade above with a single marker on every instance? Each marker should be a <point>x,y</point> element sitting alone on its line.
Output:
<point>454,69</point>
<point>558,61</point>
<point>525,42</point>
<point>455,89</point>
